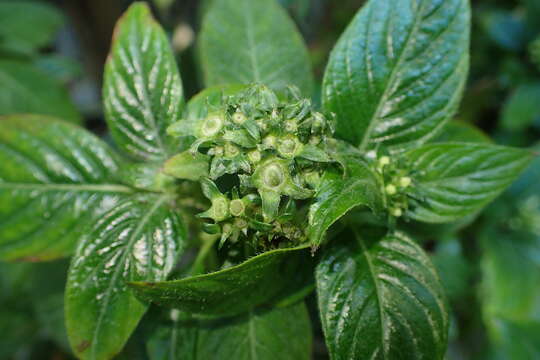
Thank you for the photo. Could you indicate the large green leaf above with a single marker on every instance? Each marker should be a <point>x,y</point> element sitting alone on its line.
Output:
<point>262,279</point>
<point>55,178</point>
<point>381,299</point>
<point>278,334</point>
<point>397,73</point>
<point>459,131</point>
<point>142,90</point>
<point>24,89</point>
<point>27,26</point>
<point>246,41</point>
<point>273,334</point>
<point>140,239</point>
<point>453,180</point>
<point>338,194</point>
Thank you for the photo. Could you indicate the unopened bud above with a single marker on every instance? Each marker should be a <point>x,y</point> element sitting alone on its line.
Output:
<point>405,181</point>
<point>391,189</point>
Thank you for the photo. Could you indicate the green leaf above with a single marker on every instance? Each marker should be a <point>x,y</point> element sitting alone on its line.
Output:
<point>188,166</point>
<point>397,73</point>
<point>262,279</point>
<point>142,90</point>
<point>381,299</point>
<point>174,340</point>
<point>55,178</point>
<point>511,274</point>
<point>245,41</point>
<point>62,68</point>
<point>454,180</point>
<point>453,267</point>
<point>139,239</point>
<point>27,26</point>
<point>510,340</point>
<point>338,194</point>
<point>278,334</point>
<point>521,109</point>
<point>24,89</point>
<point>459,131</point>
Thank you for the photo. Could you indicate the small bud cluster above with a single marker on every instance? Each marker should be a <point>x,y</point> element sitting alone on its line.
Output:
<point>396,181</point>
<point>276,149</point>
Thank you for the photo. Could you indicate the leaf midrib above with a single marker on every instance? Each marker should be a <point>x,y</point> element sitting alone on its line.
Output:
<point>251,42</point>
<point>66,187</point>
<point>392,78</point>
<point>133,238</point>
<point>373,275</point>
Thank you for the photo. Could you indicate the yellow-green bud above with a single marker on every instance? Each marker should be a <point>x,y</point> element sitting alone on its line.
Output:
<point>254,156</point>
<point>397,212</point>
<point>270,141</point>
<point>237,207</point>
<point>231,150</point>
<point>239,118</point>
<point>383,161</point>
<point>405,181</point>
<point>212,125</point>
<point>391,189</point>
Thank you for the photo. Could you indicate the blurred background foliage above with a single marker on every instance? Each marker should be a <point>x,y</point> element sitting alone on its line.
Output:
<point>51,62</point>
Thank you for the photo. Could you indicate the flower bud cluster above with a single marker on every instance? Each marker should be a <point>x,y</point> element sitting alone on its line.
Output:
<point>396,181</point>
<point>276,147</point>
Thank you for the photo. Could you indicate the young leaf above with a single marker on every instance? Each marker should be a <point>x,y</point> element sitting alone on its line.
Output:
<point>278,334</point>
<point>454,180</point>
<point>246,41</point>
<point>338,194</point>
<point>257,281</point>
<point>381,299</point>
<point>397,73</point>
<point>142,90</point>
<point>55,178</point>
<point>139,239</point>
<point>24,89</point>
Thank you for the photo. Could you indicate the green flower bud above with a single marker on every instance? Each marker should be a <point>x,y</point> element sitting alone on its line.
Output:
<point>237,207</point>
<point>239,118</point>
<point>405,181</point>
<point>270,142</point>
<point>289,146</point>
<point>212,125</point>
<point>291,125</point>
<point>391,189</point>
<point>231,150</point>
<point>254,156</point>
<point>397,212</point>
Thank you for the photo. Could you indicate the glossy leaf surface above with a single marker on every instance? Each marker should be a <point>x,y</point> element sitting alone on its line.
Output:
<point>454,180</point>
<point>245,41</point>
<point>142,91</point>
<point>459,131</point>
<point>278,334</point>
<point>55,178</point>
<point>273,334</point>
<point>234,290</point>
<point>339,193</point>
<point>139,239</point>
<point>24,89</point>
<point>397,73</point>
<point>381,299</point>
